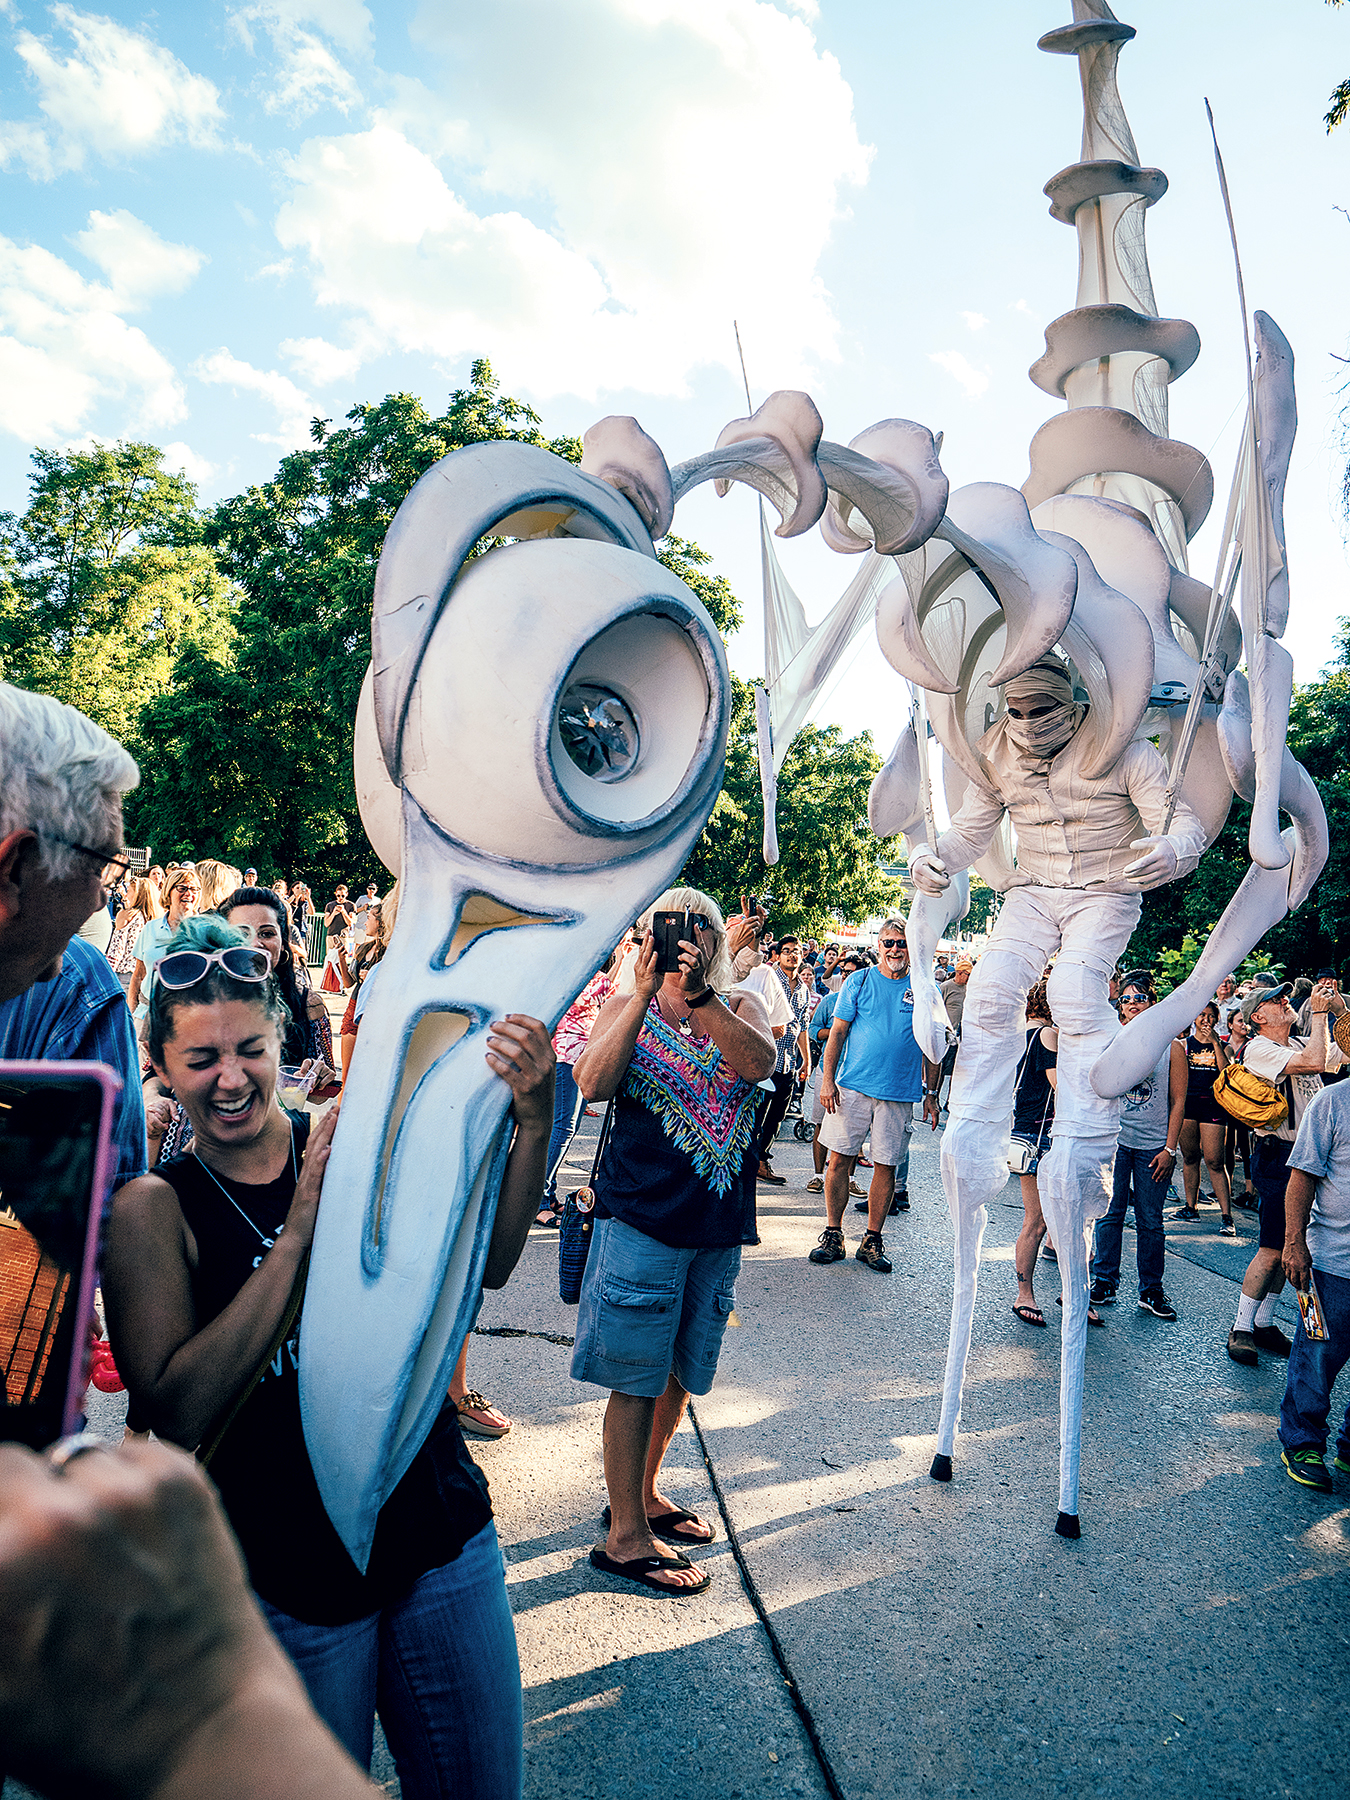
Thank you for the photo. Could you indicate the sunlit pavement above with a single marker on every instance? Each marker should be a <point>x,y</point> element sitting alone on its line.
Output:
<point>938,1639</point>
<point>882,1634</point>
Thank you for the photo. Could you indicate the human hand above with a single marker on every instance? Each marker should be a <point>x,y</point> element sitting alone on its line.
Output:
<point>521,1052</point>
<point>304,1207</point>
<point>1296,1262</point>
<point>744,928</point>
<point>158,1118</point>
<point>1156,865</point>
<point>693,967</point>
<point>646,975</point>
<point>930,1110</point>
<point>127,1630</point>
<point>928,872</point>
<point>829,1094</point>
<point>1319,1001</point>
<point>1162,1165</point>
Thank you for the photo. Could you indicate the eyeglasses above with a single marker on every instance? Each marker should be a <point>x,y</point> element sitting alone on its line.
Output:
<point>892,943</point>
<point>117,860</point>
<point>1134,1000</point>
<point>185,968</point>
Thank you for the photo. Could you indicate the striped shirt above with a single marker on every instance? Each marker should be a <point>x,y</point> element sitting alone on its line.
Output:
<point>82,1016</point>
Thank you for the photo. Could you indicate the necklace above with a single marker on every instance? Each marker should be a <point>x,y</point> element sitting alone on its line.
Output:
<point>680,1023</point>
<point>267,1242</point>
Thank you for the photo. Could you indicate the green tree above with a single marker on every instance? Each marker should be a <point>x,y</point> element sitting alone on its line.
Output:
<point>828,859</point>
<point>104,582</point>
<point>1338,105</point>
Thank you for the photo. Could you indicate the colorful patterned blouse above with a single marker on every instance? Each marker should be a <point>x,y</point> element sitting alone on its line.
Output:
<point>679,1164</point>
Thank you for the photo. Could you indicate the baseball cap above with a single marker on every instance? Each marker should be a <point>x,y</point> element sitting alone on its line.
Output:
<point>1258,997</point>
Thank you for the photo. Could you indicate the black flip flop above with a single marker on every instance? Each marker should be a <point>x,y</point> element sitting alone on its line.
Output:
<point>1024,1314</point>
<point>643,1570</point>
<point>1099,1320</point>
<point>662,1527</point>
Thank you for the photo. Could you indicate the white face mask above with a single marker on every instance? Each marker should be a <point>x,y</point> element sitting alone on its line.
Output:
<point>1046,736</point>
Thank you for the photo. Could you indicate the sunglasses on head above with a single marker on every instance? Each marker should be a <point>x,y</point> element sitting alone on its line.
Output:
<point>185,968</point>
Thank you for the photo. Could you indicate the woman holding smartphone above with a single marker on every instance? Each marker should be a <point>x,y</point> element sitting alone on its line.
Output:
<point>205,1261</point>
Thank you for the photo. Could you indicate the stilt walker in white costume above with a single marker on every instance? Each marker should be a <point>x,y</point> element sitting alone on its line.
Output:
<point>1087,849</point>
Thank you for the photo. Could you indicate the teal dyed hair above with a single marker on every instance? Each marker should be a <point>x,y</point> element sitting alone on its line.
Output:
<point>208,931</point>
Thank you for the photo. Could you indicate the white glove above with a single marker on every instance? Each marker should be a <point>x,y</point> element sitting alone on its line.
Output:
<point>928,872</point>
<point>1159,864</point>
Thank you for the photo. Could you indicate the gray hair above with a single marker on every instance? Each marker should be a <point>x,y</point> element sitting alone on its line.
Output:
<point>688,899</point>
<point>61,776</point>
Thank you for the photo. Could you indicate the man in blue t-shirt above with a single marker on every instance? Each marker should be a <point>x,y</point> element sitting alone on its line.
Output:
<point>872,1073</point>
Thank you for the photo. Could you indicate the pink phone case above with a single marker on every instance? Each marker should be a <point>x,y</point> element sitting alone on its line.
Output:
<point>111,1083</point>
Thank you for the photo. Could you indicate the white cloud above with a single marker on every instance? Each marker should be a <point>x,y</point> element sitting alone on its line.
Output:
<point>320,363</point>
<point>293,408</point>
<point>184,457</point>
<point>65,349</point>
<point>138,262</point>
<point>974,382</point>
<point>975,321</point>
<point>662,169</point>
<point>308,73</point>
<point>116,94</point>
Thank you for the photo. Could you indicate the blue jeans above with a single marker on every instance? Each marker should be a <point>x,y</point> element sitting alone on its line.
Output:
<point>567,1105</point>
<point>1132,1170</point>
<point>1313,1369</point>
<point>441,1668</point>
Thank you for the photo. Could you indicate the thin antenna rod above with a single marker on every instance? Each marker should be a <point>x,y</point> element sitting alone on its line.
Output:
<point>1232,233</point>
<point>749,403</point>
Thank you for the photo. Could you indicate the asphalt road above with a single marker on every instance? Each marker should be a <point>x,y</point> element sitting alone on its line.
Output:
<point>871,1632</point>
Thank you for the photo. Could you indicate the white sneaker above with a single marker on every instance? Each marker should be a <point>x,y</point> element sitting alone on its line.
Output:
<point>816,1185</point>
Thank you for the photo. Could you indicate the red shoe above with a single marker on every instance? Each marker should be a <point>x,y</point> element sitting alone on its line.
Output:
<point>102,1369</point>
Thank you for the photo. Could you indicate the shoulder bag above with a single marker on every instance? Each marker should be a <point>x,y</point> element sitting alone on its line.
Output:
<point>577,1224</point>
<point>1250,1098</point>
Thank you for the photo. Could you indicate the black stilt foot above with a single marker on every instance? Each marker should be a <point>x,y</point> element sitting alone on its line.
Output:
<point>941,1469</point>
<point>1066,1525</point>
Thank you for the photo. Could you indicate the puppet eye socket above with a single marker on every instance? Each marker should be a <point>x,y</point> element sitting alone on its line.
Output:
<point>598,731</point>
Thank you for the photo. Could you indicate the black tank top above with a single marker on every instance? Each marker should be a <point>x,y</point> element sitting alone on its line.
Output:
<point>295,1558</point>
<point>1202,1070</point>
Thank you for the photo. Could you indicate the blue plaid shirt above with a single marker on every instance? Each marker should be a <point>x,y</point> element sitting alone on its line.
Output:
<point>82,1016</point>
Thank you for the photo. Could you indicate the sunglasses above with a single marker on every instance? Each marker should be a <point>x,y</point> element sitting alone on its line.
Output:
<point>1134,1000</point>
<point>891,943</point>
<point>185,968</point>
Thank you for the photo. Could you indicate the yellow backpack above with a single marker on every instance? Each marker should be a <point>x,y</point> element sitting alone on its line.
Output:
<point>1250,1098</point>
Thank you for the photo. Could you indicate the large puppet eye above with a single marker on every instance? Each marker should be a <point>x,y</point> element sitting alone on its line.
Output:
<point>569,696</point>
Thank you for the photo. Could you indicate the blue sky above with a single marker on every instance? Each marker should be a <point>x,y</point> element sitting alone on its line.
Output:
<point>220,220</point>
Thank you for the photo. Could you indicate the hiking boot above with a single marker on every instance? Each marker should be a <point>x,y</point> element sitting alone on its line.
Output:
<point>900,1203</point>
<point>873,1252</point>
<point>829,1246</point>
<point>1103,1294</point>
<point>1307,1469</point>
<point>1155,1301</point>
<point>1271,1339</point>
<point>1242,1347</point>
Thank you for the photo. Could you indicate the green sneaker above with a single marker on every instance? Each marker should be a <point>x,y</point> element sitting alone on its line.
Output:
<point>1307,1468</point>
<point>1341,1462</point>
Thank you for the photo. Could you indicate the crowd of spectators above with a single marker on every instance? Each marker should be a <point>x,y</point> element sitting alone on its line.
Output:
<point>193,982</point>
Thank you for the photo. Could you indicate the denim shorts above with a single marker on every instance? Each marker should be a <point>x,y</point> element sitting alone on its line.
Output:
<point>1038,1142</point>
<point>648,1312</point>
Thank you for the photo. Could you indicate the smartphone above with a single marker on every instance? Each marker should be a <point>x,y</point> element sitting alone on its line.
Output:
<point>56,1165</point>
<point>668,928</point>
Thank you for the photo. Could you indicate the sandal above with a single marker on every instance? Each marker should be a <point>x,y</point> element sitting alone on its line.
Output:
<point>549,1217</point>
<point>663,1527</point>
<point>480,1416</point>
<point>1094,1317</point>
<point>644,1569</point>
<point>1029,1314</point>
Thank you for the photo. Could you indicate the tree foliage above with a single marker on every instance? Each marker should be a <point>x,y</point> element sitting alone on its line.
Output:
<point>104,582</point>
<point>828,859</point>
